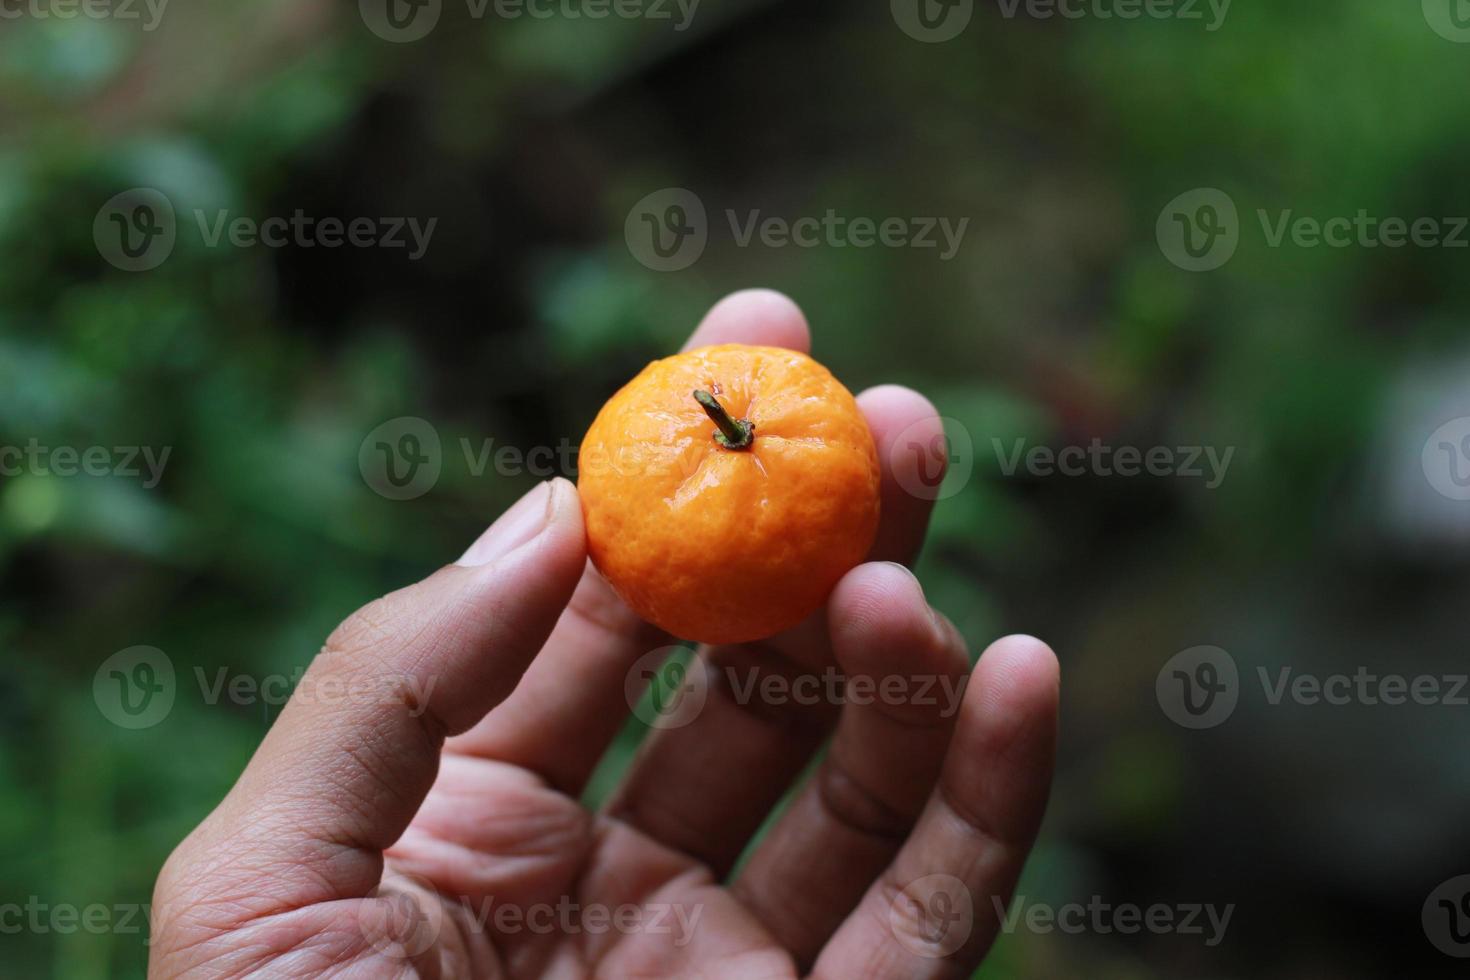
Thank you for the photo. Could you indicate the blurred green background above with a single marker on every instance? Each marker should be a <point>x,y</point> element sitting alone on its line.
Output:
<point>1061,319</point>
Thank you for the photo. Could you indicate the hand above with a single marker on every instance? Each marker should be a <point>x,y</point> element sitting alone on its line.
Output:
<point>425,821</point>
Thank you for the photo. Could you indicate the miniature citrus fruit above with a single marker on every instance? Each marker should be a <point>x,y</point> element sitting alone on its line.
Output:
<point>727,489</point>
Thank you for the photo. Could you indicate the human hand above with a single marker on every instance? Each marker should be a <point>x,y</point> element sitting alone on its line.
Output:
<point>433,829</point>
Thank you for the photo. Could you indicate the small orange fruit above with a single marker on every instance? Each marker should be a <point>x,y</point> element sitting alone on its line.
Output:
<point>727,489</point>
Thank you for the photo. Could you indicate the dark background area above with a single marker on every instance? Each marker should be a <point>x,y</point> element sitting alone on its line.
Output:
<point>1327,547</point>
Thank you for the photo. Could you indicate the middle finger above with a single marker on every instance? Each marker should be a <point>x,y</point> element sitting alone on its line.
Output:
<point>705,788</point>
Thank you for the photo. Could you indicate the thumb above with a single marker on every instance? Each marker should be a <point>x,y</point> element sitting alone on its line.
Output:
<point>352,756</point>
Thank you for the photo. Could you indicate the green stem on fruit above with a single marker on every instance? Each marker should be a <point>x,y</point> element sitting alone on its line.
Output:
<point>733,433</point>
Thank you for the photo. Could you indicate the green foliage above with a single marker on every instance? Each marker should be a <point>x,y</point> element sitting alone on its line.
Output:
<point>262,371</point>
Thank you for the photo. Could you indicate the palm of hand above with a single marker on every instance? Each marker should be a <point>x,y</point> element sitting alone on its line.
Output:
<point>429,824</point>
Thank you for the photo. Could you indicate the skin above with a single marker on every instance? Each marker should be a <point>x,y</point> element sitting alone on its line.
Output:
<point>388,835</point>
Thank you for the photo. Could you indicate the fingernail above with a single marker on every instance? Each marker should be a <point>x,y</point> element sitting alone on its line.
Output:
<point>515,527</point>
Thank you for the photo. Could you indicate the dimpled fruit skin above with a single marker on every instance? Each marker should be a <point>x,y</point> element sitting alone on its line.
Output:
<point>717,545</point>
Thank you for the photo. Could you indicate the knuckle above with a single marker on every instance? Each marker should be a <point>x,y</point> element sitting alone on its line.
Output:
<point>854,806</point>
<point>384,620</point>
